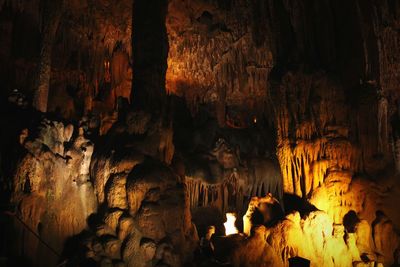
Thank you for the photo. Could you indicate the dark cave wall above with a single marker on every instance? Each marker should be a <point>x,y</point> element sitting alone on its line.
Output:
<point>350,39</point>
<point>90,59</point>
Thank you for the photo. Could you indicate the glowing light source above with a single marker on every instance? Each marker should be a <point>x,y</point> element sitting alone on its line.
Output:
<point>229,225</point>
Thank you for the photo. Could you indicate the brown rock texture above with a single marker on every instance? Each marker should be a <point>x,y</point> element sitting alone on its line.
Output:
<point>213,56</point>
<point>52,190</point>
<point>147,210</point>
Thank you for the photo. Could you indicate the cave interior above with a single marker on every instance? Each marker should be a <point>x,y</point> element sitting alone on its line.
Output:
<point>243,133</point>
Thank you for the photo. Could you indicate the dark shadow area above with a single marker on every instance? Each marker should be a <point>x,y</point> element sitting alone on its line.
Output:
<point>295,203</point>
<point>74,251</point>
<point>299,262</point>
<point>273,214</point>
<point>350,220</point>
<point>94,220</point>
<point>203,217</point>
<point>224,245</point>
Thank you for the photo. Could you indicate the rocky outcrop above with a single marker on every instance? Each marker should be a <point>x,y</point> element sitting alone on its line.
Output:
<point>52,190</point>
<point>314,237</point>
<point>147,218</point>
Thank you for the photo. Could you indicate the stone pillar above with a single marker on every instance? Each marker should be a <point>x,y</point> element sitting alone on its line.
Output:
<point>51,15</point>
<point>150,52</point>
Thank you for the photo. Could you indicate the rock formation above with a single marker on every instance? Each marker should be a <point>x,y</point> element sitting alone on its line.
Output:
<point>52,190</point>
<point>163,116</point>
<point>146,210</point>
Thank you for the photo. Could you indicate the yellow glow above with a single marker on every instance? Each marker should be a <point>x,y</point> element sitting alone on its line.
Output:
<point>229,225</point>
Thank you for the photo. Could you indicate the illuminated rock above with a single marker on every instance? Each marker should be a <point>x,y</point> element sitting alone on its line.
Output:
<point>314,238</point>
<point>364,241</point>
<point>317,238</point>
<point>117,162</point>
<point>52,188</point>
<point>255,251</point>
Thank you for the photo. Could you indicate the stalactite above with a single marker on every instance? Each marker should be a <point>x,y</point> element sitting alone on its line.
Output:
<point>312,138</point>
<point>203,194</point>
<point>235,189</point>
